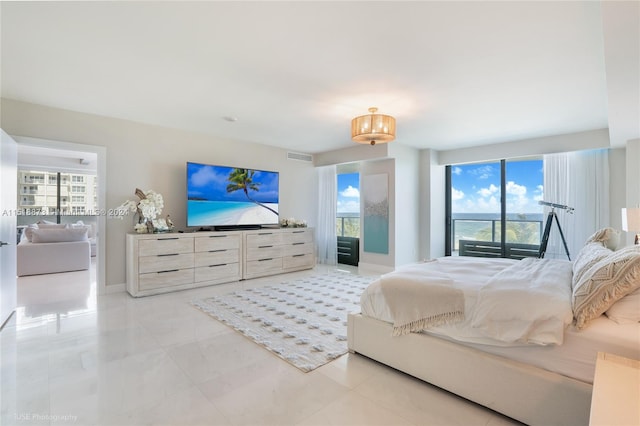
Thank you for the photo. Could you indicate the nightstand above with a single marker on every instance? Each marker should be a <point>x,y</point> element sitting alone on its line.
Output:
<point>616,391</point>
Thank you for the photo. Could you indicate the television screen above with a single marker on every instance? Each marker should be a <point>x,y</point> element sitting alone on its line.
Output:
<point>221,196</point>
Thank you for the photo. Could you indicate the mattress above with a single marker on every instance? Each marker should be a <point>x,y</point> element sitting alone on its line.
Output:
<point>574,358</point>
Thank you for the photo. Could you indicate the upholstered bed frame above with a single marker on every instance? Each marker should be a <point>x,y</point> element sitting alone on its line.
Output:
<point>528,394</point>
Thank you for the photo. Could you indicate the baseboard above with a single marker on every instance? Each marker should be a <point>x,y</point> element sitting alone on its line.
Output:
<point>115,288</point>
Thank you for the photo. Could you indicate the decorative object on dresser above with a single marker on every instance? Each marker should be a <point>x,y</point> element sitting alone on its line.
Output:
<point>148,208</point>
<point>292,222</point>
<point>304,321</point>
<point>160,263</point>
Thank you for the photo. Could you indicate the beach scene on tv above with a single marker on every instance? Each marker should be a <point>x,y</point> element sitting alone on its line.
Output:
<point>228,196</point>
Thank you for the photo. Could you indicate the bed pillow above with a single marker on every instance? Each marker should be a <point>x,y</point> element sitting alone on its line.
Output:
<point>589,255</point>
<point>606,282</point>
<point>609,237</point>
<point>626,310</point>
<point>58,235</point>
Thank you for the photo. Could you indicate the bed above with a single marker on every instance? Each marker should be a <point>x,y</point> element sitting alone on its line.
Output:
<point>539,372</point>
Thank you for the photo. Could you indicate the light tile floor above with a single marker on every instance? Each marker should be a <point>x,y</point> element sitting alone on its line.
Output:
<point>69,357</point>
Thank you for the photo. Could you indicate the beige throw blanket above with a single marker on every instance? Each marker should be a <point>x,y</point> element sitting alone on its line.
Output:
<point>418,302</point>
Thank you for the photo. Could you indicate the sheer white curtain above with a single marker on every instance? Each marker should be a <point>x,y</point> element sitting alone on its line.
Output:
<point>579,180</point>
<point>327,240</point>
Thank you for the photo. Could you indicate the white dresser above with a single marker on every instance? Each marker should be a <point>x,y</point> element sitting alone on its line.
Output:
<point>276,251</point>
<point>159,263</point>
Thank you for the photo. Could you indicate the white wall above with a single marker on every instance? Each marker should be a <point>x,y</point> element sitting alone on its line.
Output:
<point>617,186</point>
<point>432,205</point>
<point>407,202</point>
<point>632,179</point>
<point>151,157</point>
<point>592,139</point>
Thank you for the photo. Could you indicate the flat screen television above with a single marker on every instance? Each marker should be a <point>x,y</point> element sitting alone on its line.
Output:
<point>223,197</point>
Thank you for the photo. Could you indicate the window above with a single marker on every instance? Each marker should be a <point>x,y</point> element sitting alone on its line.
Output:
<point>51,193</point>
<point>348,209</point>
<point>482,195</point>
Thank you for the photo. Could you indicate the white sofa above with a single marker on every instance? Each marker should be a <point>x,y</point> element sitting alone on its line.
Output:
<point>48,258</point>
<point>51,248</point>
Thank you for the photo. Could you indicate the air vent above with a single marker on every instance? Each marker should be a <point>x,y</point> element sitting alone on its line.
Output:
<point>299,156</point>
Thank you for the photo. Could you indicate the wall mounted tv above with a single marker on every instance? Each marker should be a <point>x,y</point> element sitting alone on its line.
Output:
<point>222,197</point>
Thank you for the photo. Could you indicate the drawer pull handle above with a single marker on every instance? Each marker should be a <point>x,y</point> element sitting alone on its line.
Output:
<point>264,246</point>
<point>265,233</point>
<point>167,239</point>
<point>169,254</point>
<point>217,251</point>
<point>219,264</point>
<point>170,270</point>
<point>299,255</point>
<point>217,236</point>
<point>297,244</point>
<point>297,232</point>
<point>264,260</point>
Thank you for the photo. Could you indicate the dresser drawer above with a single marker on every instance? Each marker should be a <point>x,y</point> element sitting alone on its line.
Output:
<point>300,236</point>
<point>164,262</point>
<point>223,272</point>
<point>217,242</point>
<point>299,261</point>
<point>217,257</point>
<point>264,239</point>
<point>297,248</point>
<point>169,278</point>
<point>264,252</point>
<point>260,267</point>
<point>166,245</point>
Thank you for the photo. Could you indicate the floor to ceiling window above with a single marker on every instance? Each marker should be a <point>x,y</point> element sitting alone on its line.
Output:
<point>348,218</point>
<point>493,207</point>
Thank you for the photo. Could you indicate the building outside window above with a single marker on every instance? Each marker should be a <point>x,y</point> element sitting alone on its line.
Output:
<point>38,195</point>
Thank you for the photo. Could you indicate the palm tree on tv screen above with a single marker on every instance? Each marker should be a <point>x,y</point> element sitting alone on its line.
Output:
<point>243,179</point>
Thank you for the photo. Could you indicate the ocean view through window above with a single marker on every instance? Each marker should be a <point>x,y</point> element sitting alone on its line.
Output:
<point>348,208</point>
<point>482,194</point>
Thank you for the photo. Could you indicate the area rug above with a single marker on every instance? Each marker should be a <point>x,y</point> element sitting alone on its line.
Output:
<point>304,321</point>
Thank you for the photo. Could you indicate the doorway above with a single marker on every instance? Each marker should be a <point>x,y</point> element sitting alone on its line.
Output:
<point>73,159</point>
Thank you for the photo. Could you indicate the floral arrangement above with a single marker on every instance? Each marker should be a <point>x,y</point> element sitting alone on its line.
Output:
<point>148,208</point>
<point>293,223</point>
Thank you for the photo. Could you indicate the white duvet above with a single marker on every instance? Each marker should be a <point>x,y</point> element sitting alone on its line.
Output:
<point>507,302</point>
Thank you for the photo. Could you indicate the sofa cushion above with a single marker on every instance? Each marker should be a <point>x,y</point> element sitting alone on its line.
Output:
<point>90,228</point>
<point>58,235</point>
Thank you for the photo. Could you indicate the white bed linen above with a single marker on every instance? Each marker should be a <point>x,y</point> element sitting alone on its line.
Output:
<point>574,358</point>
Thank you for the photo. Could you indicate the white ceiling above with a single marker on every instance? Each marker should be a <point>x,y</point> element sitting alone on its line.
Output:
<point>454,74</point>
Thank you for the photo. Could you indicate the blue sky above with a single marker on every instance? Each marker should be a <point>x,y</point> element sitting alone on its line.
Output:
<point>348,193</point>
<point>476,187</point>
<point>210,182</point>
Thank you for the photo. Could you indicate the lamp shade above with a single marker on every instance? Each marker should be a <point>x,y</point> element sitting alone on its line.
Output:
<point>631,220</point>
<point>373,128</point>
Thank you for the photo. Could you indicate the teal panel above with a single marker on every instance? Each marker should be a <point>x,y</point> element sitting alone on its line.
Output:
<point>376,234</point>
